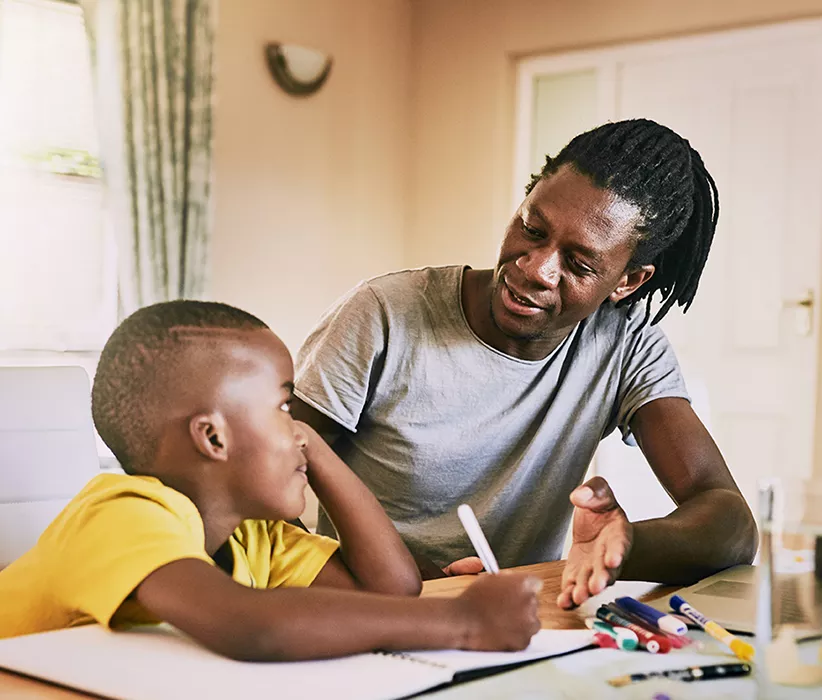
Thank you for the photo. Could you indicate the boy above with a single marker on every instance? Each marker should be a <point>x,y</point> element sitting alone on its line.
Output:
<point>193,399</point>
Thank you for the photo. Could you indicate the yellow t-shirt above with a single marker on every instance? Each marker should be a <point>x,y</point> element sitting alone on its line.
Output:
<point>117,531</point>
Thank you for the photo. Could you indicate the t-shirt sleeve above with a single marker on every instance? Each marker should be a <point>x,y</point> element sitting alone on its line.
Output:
<point>111,546</point>
<point>297,556</point>
<point>649,371</point>
<point>341,359</point>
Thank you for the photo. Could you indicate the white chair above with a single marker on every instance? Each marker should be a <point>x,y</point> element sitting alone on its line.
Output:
<point>47,450</point>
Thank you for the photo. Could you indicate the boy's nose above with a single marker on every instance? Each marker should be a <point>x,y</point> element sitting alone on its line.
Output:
<point>299,436</point>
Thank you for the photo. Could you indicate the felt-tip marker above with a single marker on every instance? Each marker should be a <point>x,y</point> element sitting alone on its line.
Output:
<point>667,623</point>
<point>742,649</point>
<point>654,643</point>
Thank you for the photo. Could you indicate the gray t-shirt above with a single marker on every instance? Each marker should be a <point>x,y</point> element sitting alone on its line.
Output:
<point>436,417</point>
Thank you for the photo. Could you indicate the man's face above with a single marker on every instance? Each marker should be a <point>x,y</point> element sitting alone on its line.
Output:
<point>266,455</point>
<point>565,251</point>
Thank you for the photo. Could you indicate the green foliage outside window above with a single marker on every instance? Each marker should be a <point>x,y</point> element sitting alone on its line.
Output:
<point>67,161</point>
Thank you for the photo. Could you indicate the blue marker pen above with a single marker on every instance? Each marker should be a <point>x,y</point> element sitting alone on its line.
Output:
<point>665,622</point>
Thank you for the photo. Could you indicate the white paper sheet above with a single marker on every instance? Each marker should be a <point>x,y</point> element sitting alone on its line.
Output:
<point>159,663</point>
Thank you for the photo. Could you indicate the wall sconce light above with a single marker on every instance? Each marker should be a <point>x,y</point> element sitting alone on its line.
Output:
<point>297,69</point>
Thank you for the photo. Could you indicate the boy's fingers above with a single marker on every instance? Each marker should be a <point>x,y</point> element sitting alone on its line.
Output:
<point>532,584</point>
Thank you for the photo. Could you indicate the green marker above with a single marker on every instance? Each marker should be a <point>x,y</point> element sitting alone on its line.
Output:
<point>625,638</point>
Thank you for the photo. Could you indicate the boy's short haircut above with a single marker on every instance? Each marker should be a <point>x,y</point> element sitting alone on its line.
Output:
<point>133,362</point>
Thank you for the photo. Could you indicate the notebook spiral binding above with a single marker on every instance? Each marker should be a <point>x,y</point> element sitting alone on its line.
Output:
<point>411,657</point>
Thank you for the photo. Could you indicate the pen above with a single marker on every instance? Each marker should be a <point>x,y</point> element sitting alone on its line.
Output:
<point>654,643</point>
<point>742,649</point>
<point>692,673</point>
<point>472,528</point>
<point>667,623</point>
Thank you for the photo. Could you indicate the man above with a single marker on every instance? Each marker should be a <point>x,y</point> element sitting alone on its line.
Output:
<point>494,387</point>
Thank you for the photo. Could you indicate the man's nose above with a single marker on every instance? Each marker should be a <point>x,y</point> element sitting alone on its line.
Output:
<point>541,267</point>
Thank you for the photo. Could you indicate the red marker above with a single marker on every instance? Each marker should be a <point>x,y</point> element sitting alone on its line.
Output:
<point>605,641</point>
<point>654,643</point>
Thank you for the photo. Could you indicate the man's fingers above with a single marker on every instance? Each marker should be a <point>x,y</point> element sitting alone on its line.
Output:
<point>467,565</point>
<point>569,576</point>
<point>581,593</point>
<point>615,552</point>
<point>599,580</point>
<point>564,599</point>
<point>595,495</point>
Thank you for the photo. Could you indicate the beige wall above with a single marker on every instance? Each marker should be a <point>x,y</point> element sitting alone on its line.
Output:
<point>463,97</point>
<point>311,193</point>
<point>405,156</point>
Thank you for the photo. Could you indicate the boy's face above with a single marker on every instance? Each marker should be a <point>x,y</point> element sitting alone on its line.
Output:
<point>268,465</point>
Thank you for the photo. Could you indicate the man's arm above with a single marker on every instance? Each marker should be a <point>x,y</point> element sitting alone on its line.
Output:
<point>372,556</point>
<point>497,612</point>
<point>711,529</point>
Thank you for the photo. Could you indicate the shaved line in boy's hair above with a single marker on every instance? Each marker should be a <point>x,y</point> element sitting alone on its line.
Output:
<point>127,378</point>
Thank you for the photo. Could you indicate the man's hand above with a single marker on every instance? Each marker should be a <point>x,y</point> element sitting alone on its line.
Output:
<point>466,565</point>
<point>602,539</point>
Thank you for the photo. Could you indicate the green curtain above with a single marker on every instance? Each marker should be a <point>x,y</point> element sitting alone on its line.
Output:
<point>154,76</point>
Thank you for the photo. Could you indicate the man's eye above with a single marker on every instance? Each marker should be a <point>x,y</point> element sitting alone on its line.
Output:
<point>580,268</point>
<point>531,231</point>
<point>286,407</point>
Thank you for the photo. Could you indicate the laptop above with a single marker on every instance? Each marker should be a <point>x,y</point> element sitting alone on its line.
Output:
<point>729,598</point>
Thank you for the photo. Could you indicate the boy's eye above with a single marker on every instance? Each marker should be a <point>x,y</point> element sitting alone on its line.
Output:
<point>286,406</point>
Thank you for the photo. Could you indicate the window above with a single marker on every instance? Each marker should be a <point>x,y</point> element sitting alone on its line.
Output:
<point>58,285</point>
<point>58,267</point>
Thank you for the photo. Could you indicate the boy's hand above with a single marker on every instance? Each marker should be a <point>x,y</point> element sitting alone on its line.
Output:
<point>501,612</point>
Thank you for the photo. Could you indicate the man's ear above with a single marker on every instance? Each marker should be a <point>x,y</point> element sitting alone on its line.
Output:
<point>209,434</point>
<point>632,280</point>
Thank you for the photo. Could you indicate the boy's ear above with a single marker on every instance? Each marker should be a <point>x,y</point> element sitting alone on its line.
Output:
<point>632,280</point>
<point>209,434</point>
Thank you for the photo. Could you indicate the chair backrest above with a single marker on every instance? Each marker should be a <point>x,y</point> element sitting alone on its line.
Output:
<point>47,450</point>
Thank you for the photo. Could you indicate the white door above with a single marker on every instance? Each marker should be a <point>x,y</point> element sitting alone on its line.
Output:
<point>749,101</point>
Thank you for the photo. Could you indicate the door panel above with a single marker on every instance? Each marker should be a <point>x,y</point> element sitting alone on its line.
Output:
<point>752,109</point>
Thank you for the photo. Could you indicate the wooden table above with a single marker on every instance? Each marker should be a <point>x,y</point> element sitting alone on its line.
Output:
<point>550,615</point>
<point>22,688</point>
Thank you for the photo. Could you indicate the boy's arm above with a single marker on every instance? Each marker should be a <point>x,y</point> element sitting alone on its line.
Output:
<point>497,612</point>
<point>372,556</point>
<point>327,427</point>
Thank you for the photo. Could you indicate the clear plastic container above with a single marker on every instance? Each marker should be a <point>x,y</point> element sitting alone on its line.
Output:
<point>789,603</point>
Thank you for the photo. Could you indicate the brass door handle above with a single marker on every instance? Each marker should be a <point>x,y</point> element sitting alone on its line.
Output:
<point>805,303</point>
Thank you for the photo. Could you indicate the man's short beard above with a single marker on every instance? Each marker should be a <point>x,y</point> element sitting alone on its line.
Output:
<point>539,335</point>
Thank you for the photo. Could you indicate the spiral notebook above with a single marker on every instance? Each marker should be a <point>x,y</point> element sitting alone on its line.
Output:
<point>159,663</point>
